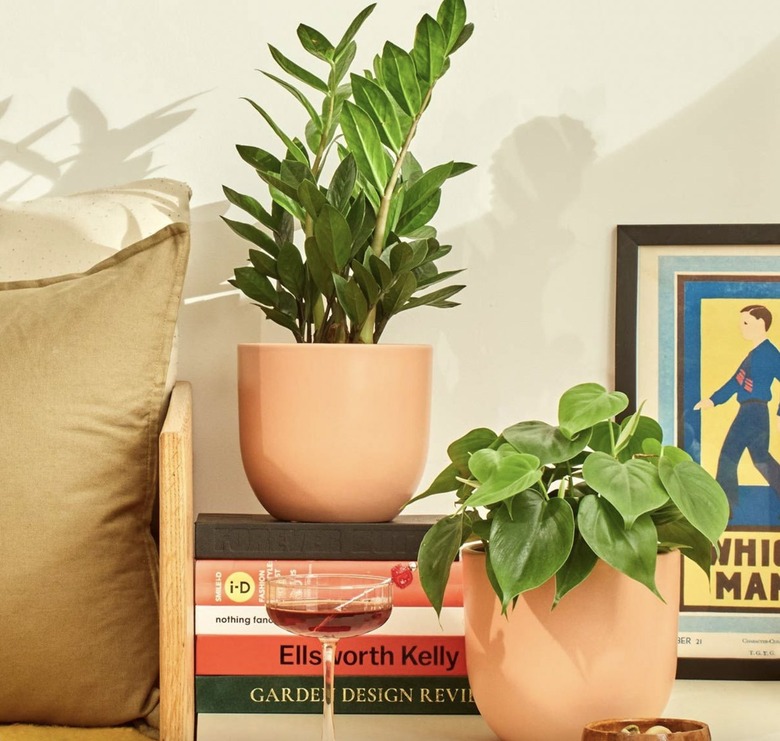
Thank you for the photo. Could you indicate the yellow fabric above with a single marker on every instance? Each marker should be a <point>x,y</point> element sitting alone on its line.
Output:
<point>83,361</point>
<point>40,733</point>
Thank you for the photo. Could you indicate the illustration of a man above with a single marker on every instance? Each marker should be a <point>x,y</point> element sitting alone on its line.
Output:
<point>752,383</point>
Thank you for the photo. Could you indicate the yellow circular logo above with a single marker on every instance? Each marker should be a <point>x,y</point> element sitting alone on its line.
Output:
<point>239,587</point>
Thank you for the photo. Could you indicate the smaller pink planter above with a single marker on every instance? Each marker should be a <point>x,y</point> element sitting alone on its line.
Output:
<point>334,433</point>
<point>608,650</point>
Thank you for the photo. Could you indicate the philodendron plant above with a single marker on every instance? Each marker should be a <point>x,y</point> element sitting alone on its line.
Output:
<point>366,249</point>
<point>550,500</point>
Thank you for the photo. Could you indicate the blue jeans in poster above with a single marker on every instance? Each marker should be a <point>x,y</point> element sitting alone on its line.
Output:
<point>749,431</point>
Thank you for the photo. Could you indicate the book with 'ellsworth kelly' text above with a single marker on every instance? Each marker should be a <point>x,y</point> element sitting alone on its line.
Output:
<point>236,536</point>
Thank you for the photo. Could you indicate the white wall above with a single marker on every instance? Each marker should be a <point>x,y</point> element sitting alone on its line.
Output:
<point>580,115</point>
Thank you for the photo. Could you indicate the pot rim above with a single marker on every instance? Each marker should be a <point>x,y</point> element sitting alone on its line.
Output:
<point>321,346</point>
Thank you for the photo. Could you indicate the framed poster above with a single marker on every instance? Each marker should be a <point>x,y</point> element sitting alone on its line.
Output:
<point>696,341</point>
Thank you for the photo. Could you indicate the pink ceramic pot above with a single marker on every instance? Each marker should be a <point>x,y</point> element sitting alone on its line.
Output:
<point>608,650</point>
<point>334,433</point>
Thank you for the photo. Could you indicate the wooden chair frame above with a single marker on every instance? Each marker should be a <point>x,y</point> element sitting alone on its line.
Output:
<point>177,667</point>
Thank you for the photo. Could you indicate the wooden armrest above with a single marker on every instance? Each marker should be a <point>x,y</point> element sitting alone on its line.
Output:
<point>177,671</point>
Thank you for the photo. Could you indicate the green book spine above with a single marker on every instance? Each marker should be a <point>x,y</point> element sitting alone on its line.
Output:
<point>354,695</point>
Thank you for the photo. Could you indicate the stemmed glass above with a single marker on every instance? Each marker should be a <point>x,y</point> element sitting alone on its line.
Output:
<point>329,607</point>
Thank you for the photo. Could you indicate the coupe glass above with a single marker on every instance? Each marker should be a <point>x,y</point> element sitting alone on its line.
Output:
<point>329,607</point>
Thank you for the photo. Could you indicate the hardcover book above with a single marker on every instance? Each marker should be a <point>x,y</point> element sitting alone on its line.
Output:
<point>353,695</point>
<point>242,582</point>
<point>254,620</point>
<point>420,655</point>
<point>233,536</point>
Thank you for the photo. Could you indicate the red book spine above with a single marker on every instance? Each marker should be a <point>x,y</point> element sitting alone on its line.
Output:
<point>219,582</point>
<point>360,656</point>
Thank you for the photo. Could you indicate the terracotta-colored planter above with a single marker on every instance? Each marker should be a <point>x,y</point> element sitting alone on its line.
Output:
<point>608,650</point>
<point>334,433</point>
<point>681,730</point>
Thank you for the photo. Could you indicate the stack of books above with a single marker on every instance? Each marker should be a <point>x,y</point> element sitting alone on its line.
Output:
<point>414,664</point>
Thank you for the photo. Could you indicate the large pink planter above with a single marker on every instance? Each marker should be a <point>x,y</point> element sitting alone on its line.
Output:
<point>608,650</point>
<point>334,433</point>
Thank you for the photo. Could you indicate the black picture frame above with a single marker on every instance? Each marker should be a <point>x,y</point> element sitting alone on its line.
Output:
<point>699,248</point>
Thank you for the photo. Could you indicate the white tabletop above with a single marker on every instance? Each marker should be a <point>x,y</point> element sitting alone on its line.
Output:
<point>734,711</point>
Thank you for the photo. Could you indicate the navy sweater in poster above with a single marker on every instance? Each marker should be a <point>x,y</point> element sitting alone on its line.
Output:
<point>753,380</point>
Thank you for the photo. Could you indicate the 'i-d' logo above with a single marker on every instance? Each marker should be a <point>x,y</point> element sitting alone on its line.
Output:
<point>239,586</point>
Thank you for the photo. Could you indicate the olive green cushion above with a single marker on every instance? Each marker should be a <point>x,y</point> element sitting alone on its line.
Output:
<point>83,362</point>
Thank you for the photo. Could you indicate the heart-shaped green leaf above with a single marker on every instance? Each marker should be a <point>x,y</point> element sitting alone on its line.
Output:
<point>674,455</point>
<point>603,436</point>
<point>462,449</point>
<point>438,550</point>
<point>633,552</point>
<point>512,473</point>
<point>544,441</point>
<point>699,497</point>
<point>632,487</point>
<point>447,480</point>
<point>483,463</point>
<point>587,404</point>
<point>696,546</point>
<point>634,433</point>
<point>530,539</point>
<point>578,566</point>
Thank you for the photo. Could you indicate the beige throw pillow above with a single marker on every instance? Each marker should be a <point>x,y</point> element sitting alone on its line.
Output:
<point>83,361</point>
<point>56,235</point>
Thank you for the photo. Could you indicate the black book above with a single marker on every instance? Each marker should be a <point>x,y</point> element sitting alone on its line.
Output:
<point>261,536</point>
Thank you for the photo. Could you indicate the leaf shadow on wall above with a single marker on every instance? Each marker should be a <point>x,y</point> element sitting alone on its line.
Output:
<point>513,256</point>
<point>110,155</point>
<point>545,252</point>
<point>21,154</point>
<point>106,155</point>
<point>538,311</point>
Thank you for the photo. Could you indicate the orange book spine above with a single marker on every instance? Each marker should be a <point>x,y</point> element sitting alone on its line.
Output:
<point>360,656</point>
<point>242,582</point>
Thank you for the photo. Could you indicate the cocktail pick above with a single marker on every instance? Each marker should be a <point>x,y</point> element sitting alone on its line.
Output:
<point>401,575</point>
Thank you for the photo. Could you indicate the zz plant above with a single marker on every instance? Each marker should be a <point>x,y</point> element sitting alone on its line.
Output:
<point>362,201</point>
<point>549,501</point>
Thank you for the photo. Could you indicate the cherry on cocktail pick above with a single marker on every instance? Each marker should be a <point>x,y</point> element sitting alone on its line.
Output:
<point>402,574</point>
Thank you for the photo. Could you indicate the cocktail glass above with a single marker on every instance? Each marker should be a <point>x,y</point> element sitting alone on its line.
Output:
<point>329,607</point>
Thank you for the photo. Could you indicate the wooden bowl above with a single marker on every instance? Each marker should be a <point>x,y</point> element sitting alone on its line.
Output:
<point>681,730</point>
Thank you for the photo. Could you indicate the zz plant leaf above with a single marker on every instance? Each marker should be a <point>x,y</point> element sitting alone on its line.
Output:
<point>354,189</point>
